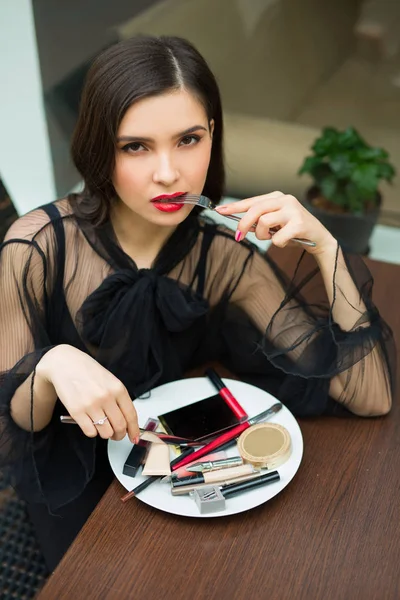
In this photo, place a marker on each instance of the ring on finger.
(100, 421)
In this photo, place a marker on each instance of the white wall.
(25, 159)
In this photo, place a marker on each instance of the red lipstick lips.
(161, 202)
(168, 196)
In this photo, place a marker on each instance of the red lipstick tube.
(226, 394)
(222, 439)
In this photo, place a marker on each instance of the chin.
(171, 219)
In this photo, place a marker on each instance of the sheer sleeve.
(280, 332)
(38, 464)
(22, 333)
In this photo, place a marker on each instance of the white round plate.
(186, 391)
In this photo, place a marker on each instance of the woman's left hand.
(286, 215)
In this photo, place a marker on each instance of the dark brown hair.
(137, 68)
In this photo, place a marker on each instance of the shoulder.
(30, 247)
(27, 227)
(32, 240)
(38, 223)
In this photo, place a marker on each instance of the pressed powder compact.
(265, 445)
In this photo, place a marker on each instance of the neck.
(140, 239)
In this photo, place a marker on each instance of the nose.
(165, 172)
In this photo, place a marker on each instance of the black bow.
(128, 319)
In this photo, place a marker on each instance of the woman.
(108, 293)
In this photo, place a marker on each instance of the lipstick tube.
(226, 394)
(219, 441)
(138, 453)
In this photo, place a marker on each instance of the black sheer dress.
(206, 298)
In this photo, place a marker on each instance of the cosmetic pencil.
(226, 394)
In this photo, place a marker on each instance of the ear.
(211, 128)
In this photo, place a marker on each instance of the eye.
(189, 140)
(133, 147)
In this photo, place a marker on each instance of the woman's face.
(163, 149)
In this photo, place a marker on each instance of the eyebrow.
(130, 138)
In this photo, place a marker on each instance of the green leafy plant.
(347, 170)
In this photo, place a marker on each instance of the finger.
(245, 205)
(258, 214)
(117, 420)
(128, 410)
(86, 424)
(105, 430)
(283, 237)
(267, 223)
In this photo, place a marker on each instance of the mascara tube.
(233, 489)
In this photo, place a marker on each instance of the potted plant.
(345, 197)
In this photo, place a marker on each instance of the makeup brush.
(172, 440)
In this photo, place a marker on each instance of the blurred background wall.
(286, 69)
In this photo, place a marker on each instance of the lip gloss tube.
(226, 394)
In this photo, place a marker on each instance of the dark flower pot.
(353, 232)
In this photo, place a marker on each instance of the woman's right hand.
(89, 392)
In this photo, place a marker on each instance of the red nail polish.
(238, 236)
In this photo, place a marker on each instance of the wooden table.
(332, 534)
